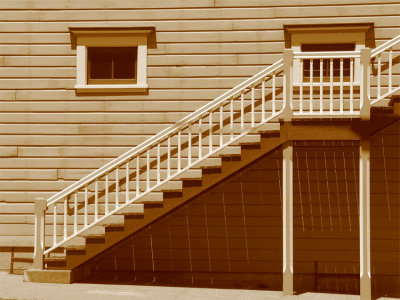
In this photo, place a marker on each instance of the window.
(326, 62)
(111, 59)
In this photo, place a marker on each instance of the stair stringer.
(151, 214)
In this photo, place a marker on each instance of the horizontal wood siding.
(51, 137)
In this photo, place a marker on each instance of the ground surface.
(13, 287)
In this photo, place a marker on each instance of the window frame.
(83, 38)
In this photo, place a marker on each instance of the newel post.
(287, 84)
(40, 207)
(365, 60)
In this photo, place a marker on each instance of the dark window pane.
(100, 60)
(327, 47)
(124, 63)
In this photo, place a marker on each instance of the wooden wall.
(50, 137)
(232, 235)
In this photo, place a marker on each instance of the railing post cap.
(40, 204)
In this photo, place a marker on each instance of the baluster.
(273, 93)
(231, 119)
(341, 86)
(221, 124)
(390, 70)
(138, 176)
(210, 130)
(321, 85)
(117, 187)
(158, 164)
(169, 157)
(179, 151)
(148, 169)
(200, 136)
(65, 217)
(127, 182)
(96, 200)
(252, 106)
(301, 86)
(379, 75)
(311, 84)
(242, 111)
(190, 144)
(54, 223)
(331, 85)
(263, 99)
(351, 85)
(85, 208)
(75, 212)
(106, 195)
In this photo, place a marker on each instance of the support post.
(287, 84)
(365, 251)
(287, 173)
(40, 207)
(365, 61)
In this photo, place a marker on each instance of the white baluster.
(390, 70)
(158, 164)
(54, 223)
(331, 85)
(321, 85)
(263, 99)
(96, 200)
(221, 125)
(242, 111)
(106, 195)
(169, 157)
(148, 169)
(379, 75)
(210, 130)
(311, 84)
(273, 93)
(341, 86)
(200, 137)
(75, 212)
(190, 144)
(351, 85)
(231, 119)
(85, 213)
(179, 151)
(252, 105)
(138, 176)
(65, 217)
(301, 85)
(127, 182)
(117, 187)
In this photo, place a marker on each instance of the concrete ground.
(13, 287)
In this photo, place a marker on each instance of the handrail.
(330, 54)
(385, 46)
(163, 135)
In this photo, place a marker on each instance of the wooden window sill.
(111, 88)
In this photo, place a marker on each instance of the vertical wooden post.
(40, 207)
(287, 173)
(365, 61)
(287, 84)
(365, 251)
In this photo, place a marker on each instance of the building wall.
(231, 236)
(50, 137)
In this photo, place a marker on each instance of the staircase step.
(76, 243)
(170, 186)
(113, 221)
(133, 209)
(230, 152)
(191, 174)
(95, 231)
(268, 128)
(249, 140)
(210, 163)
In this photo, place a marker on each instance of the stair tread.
(95, 231)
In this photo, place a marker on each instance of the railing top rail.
(163, 135)
(330, 54)
(385, 46)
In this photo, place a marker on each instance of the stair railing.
(381, 73)
(165, 156)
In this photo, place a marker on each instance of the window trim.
(82, 38)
